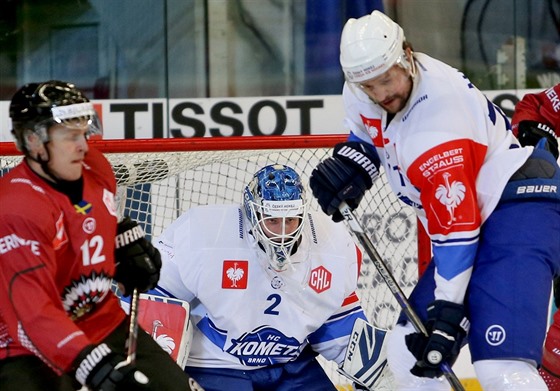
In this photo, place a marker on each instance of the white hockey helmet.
(276, 193)
(370, 46)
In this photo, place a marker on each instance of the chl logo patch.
(235, 274)
(320, 279)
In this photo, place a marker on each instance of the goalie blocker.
(167, 321)
(365, 362)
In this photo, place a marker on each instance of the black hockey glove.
(99, 368)
(447, 327)
(531, 132)
(344, 177)
(138, 262)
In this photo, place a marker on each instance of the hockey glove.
(344, 177)
(99, 368)
(531, 132)
(447, 327)
(138, 261)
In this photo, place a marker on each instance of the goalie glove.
(447, 327)
(168, 318)
(101, 369)
(344, 177)
(138, 261)
(365, 361)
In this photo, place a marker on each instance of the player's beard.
(393, 104)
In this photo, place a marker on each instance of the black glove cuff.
(447, 316)
(91, 361)
(362, 156)
(128, 232)
(531, 132)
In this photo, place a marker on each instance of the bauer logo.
(264, 346)
(320, 279)
(537, 189)
(235, 274)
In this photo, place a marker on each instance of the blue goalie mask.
(276, 206)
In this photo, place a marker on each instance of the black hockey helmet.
(36, 106)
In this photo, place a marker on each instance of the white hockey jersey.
(247, 316)
(449, 154)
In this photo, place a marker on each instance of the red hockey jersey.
(542, 107)
(56, 264)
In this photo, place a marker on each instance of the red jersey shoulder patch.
(61, 236)
(373, 126)
(235, 274)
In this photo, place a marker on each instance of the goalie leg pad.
(365, 361)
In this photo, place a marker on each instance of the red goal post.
(161, 178)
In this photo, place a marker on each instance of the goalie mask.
(276, 207)
(37, 106)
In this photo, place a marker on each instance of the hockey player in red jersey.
(490, 207)
(61, 327)
(537, 116)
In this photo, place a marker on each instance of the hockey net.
(160, 179)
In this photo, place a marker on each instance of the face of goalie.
(280, 229)
(275, 205)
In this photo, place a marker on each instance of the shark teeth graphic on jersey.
(81, 296)
(264, 346)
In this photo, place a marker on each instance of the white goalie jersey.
(246, 315)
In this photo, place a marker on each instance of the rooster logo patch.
(235, 274)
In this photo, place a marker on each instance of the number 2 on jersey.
(276, 299)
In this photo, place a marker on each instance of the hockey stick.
(133, 328)
(359, 232)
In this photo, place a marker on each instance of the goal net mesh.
(158, 182)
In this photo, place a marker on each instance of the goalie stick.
(359, 233)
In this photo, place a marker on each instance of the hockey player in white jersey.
(270, 284)
(490, 207)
